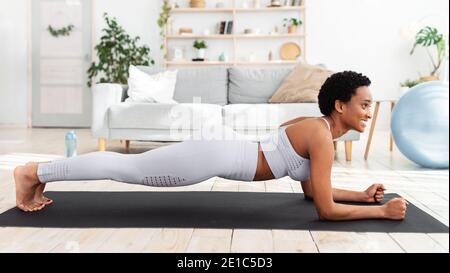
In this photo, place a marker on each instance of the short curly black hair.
(340, 86)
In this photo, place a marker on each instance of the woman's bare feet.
(27, 184)
(39, 196)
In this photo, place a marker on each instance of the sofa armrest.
(103, 97)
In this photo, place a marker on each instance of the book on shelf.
(225, 27)
(221, 27)
(292, 3)
(229, 28)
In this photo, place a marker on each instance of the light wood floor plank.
(417, 242)
(293, 241)
(249, 240)
(169, 240)
(210, 241)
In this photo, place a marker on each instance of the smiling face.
(356, 112)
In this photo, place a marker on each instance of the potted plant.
(200, 45)
(116, 52)
(163, 20)
(292, 24)
(427, 37)
(408, 84)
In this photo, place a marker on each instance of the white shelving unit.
(237, 38)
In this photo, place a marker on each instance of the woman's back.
(286, 151)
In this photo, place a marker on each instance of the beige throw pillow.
(302, 85)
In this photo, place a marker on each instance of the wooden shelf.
(238, 36)
(205, 10)
(237, 15)
(280, 9)
(280, 62)
(267, 62)
(217, 36)
(268, 36)
(198, 63)
(216, 10)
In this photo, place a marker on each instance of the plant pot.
(429, 78)
(201, 53)
(292, 29)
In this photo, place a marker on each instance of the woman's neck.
(338, 128)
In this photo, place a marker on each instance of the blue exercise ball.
(419, 124)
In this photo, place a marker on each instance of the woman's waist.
(274, 158)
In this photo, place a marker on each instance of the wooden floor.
(427, 189)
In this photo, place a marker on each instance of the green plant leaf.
(116, 51)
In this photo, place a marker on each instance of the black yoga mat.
(243, 210)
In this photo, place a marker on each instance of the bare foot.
(26, 186)
(39, 196)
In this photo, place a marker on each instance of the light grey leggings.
(179, 164)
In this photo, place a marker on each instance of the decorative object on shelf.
(290, 51)
(116, 52)
(198, 60)
(201, 46)
(270, 56)
(163, 19)
(274, 31)
(177, 53)
(223, 57)
(426, 37)
(274, 4)
(65, 31)
(184, 31)
(197, 3)
(220, 5)
(292, 24)
(254, 31)
(256, 4)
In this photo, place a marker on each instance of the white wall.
(13, 62)
(360, 35)
(364, 35)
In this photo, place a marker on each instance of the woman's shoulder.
(310, 127)
(307, 133)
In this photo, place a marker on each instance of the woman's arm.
(338, 194)
(322, 155)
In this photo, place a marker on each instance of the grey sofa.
(234, 97)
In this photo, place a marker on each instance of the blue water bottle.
(71, 144)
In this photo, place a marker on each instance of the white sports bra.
(283, 159)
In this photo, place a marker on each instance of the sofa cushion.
(163, 116)
(302, 85)
(266, 116)
(252, 85)
(208, 84)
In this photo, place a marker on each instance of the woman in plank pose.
(302, 148)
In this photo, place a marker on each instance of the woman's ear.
(339, 106)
